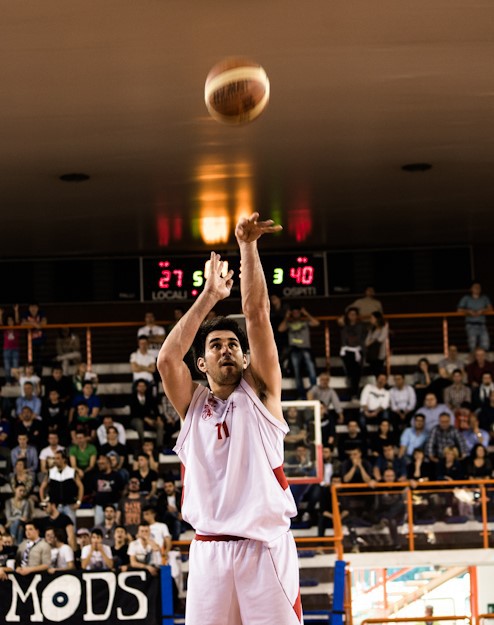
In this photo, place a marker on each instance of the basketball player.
(243, 561)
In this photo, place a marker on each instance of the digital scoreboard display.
(182, 278)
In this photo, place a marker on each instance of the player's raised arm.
(176, 377)
(264, 369)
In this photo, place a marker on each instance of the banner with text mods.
(79, 597)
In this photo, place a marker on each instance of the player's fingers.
(254, 217)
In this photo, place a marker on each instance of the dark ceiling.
(359, 88)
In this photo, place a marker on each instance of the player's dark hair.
(213, 325)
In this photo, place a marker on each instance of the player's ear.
(246, 363)
(201, 364)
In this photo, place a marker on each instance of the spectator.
(390, 507)
(83, 538)
(89, 398)
(144, 412)
(155, 334)
(47, 454)
(475, 435)
(277, 313)
(299, 463)
(356, 470)
(114, 449)
(109, 524)
(143, 552)
(62, 556)
(22, 475)
(178, 313)
(11, 342)
(402, 400)
(35, 319)
(298, 429)
(19, 510)
(452, 361)
(479, 465)
(420, 469)
(59, 521)
(374, 402)
(297, 323)
(83, 374)
(353, 335)
(413, 437)
(59, 382)
(449, 467)
(375, 343)
(83, 456)
(458, 393)
(486, 415)
(5, 432)
(26, 452)
(439, 385)
(6, 555)
(171, 423)
(148, 479)
(442, 436)
(63, 487)
(366, 305)
(101, 432)
(28, 399)
(148, 448)
(432, 411)
(83, 422)
(474, 307)
(130, 507)
(34, 553)
(142, 363)
(353, 439)
(383, 437)
(169, 506)
(331, 409)
(422, 379)
(68, 348)
(54, 416)
(27, 374)
(159, 531)
(120, 548)
(106, 488)
(478, 367)
(481, 394)
(389, 460)
(96, 556)
(27, 423)
(326, 507)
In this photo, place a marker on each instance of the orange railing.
(338, 490)
(438, 335)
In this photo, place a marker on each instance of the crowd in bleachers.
(62, 452)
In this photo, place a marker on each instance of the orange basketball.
(236, 91)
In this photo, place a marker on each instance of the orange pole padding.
(337, 525)
(445, 337)
(327, 345)
(347, 606)
(485, 528)
(385, 593)
(411, 535)
(89, 351)
(474, 593)
(30, 345)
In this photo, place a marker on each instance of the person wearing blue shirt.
(474, 307)
(413, 437)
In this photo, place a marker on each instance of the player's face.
(223, 359)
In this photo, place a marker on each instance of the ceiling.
(114, 89)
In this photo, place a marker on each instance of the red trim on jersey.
(216, 537)
(297, 606)
(280, 476)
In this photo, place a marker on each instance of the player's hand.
(217, 284)
(249, 229)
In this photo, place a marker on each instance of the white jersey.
(234, 482)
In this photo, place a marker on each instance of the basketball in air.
(236, 91)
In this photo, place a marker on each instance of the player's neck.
(222, 391)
